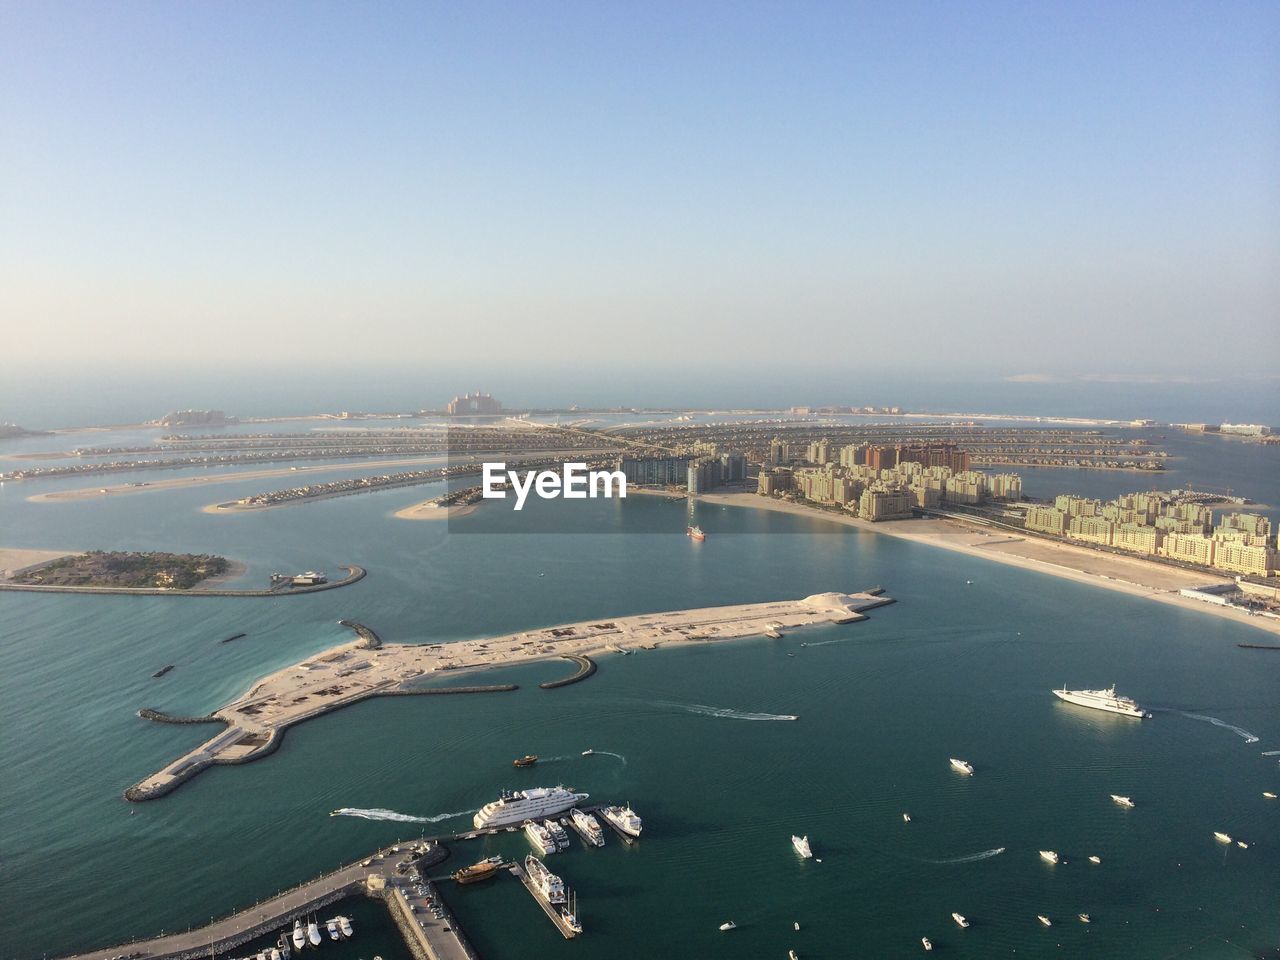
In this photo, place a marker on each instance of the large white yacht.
(540, 837)
(624, 818)
(589, 827)
(535, 803)
(1107, 700)
(548, 885)
(802, 846)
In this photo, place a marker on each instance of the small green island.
(101, 568)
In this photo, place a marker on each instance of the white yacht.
(540, 837)
(728, 925)
(588, 752)
(534, 803)
(344, 923)
(548, 886)
(313, 933)
(299, 937)
(1048, 856)
(926, 943)
(1043, 919)
(1107, 700)
(1221, 837)
(332, 927)
(558, 834)
(962, 766)
(589, 827)
(1123, 801)
(624, 818)
(802, 846)
(1084, 917)
(275, 953)
(1268, 794)
(1242, 845)
(906, 818)
(960, 920)
(1095, 859)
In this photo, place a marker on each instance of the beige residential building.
(1191, 547)
(1259, 560)
(1091, 530)
(1047, 520)
(884, 503)
(1140, 538)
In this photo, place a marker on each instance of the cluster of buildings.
(195, 418)
(473, 403)
(698, 472)
(1157, 524)
(1234, 429)
(881, 482)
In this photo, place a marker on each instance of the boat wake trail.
(610, 753)
(973, 857)
(377, 813)
(1271, 753)
(1248, 737)
(724, 713)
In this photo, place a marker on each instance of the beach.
(1131, 575)
(14, 560)
(431, 510)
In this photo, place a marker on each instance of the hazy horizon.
(999, 190)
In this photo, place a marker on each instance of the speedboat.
(1084, 917)
(1043, 919)
(1242, 845)
(332, 927)
(792, 955)
(1049, 856)
(728, 925)
(1268, 794)
(802, 846)
(1221, 837)
(962, 766)
(797, 926)
(906, 818)
(588, 752)
(299, 938)
(926, 943)
(344, 924)
(1123, 801)
(959, 919)
(313, 933)
(1095, 859)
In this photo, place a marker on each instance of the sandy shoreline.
(429, 510)
(13, 560)
(1131, 575)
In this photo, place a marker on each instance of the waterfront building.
(880, 502)
(1005, 486)
(1254, 526)
(1190, 547)
(702, 475)
(965, 488)
(655, 471)
(1077, 506)
(1047, 520)
(1091, 530)
(1245, 429)
(733, 467)
(935, 455)
(1140, 538)
(775, 481)
(473, 403)
(1259, 560)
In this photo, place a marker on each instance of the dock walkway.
(567, 931)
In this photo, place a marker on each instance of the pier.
(567, 931)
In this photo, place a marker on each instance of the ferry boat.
(926, 943)
(299, 937)
(728, 925)
(1107, 700)
(558, 834)
(1123, 801)
(802, 846)
(1048, 856)
(1043, 919)
(540, 837)
(960, 920)
(962, 766)
(484, 870)
(624, 818)
(695, 534)
(589, 826)
(515, 807)
(528, 760)
(547, 885)
(1221, 837)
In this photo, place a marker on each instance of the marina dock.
(564, 928)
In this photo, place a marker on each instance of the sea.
(697, 739)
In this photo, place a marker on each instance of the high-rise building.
(656, 471)
(880, 502)
(775, 481)
(1047, 519)
(473, 403)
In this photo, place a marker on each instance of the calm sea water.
(955, 668)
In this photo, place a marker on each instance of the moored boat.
(540, 837)
(547, 885)
(533, 803)
(344, 924)
(299, 937)
(313, 933)
(484, 870)
(624, 818)
(589, 827)
(558, 834)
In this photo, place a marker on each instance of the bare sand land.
(14, 561)
(430, 510)
(353, 671)
(175, 483)
(1131, 575)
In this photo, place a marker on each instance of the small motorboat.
(1268, 794)
(1049, 856)
(1095, 859)
(802, 846)
(1242, 845)
(1122, 801)
(792, 955)
(588, 752)
(275, 953)
(962, 766)
(528, 760)
(332, 927)
(344, 924)
(926, 943)
(313, 933)
(1084, 917)
(1222, 837)
(960, 920)
(728, 925)
(797, 926)
(1043, 919)
(299, 938)
(906, 818)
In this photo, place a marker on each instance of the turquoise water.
(953, 669)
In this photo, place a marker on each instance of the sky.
(1054, 192)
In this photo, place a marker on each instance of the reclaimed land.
(1132, 575)
(354, 574)
(368, 667)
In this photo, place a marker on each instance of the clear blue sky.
(1022, 188)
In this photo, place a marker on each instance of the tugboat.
(528, 760)
(695, 534)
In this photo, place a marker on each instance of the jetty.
(370, 667)
(566, 931)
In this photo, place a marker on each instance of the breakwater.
(159, 716)
(586, 667)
